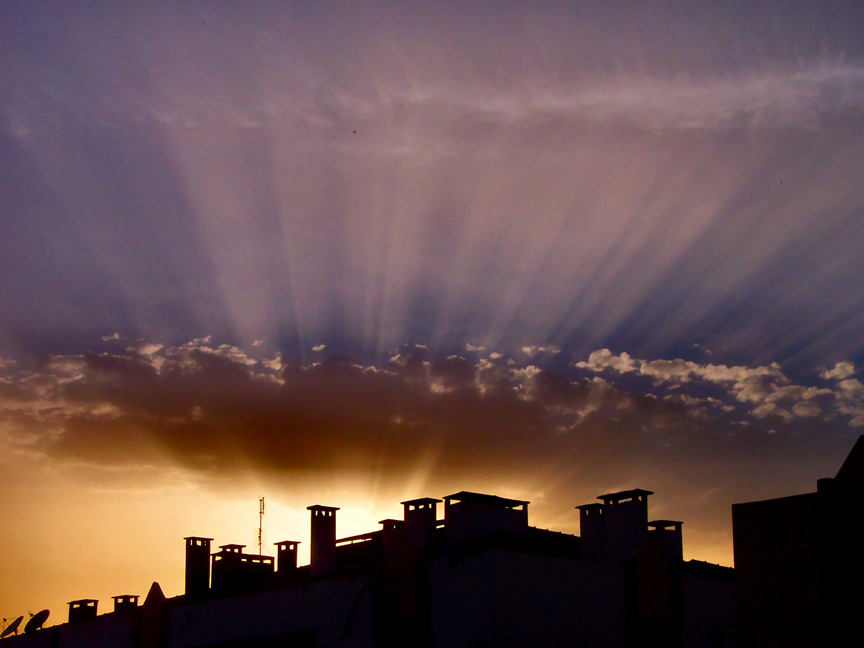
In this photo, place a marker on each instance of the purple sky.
(552, 251)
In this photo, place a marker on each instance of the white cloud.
(806, 409)
(274, 363)
(605, 359)
(851, 388)
(765, 389)
(534, 350)
(145, 348)
(840, 371)
(783, 96)
(771, 409)
(669, 369)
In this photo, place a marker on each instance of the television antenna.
(260, 523)
(12, 627)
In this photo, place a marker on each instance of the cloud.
(771, 409)
(807, 409)
(840, 371)
(791, 96)
(766, 390)
(211, 408)
(603, 359)
(664, 370)
(532, 351)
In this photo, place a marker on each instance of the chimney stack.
(82, 610)
(421, 519)
(668, 536)
(323, 549)
(626, 522)
(592, 529)
(197, 566)
(125, 603)
(286, 556)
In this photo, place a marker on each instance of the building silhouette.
(480, 576)
(799, 563)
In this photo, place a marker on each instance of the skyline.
(356, 257)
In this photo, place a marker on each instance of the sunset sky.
(355, 253)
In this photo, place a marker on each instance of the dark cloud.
(223, 414)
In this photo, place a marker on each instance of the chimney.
(626, 522)
(197, 566)
(323, 550)
(125, 603)
(392, 534)
(668, 536)
(82, 610)
(473, 515)
(421, 519)
(286, 556)
(592, 528)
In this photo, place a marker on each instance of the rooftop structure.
(480, 576)
(799, 563)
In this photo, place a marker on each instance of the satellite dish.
(12, 627)
(36, 622)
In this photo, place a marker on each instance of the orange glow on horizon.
(75, 540)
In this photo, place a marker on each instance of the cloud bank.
(222, 412)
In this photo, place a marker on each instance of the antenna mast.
(260, 522)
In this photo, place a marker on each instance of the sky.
(356, 253)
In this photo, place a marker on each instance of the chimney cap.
(84, 602)
(421, 500)
(125, 596)
(232, 546)
(319, 507)
(197, 538)
(286, 542)
(623, 495)
(487, 500)
(664, 524)
(590, 507)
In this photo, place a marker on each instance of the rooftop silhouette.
(480, 575)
